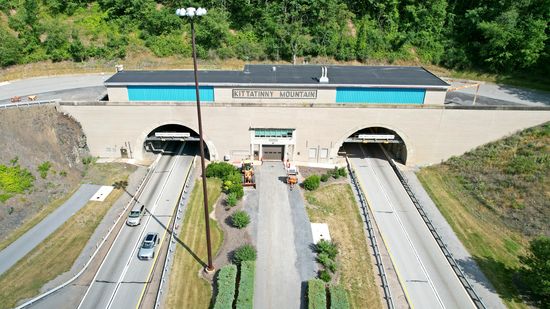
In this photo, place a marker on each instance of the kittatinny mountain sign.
(247, 93)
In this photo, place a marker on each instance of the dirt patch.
(32, 136)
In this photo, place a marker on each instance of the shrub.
(13, 180)
(220, 170)
(44, 168)
(226, 287)
(236, 188)
(244, 253)
(338, 297)
(240, 219)
(325, 177)
(327, 247)
(245, 298)
(536, 269)
(316, 294)
(335, 173)
(312, 182)
(342, 172)
(231, 199)
(89, 160)
(326, 261)
(324, 275)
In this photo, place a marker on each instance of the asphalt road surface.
(424, 273)
(24, 244)
(122, 278)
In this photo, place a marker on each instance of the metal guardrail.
(371, 235)
(450, 259)
(98, 246)
(178, 213)
(29, 103)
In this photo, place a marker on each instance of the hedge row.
(245, 298)
(227, 278)
(338, 297)
(316, 294)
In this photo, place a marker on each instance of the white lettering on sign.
(274, 94)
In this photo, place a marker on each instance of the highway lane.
(428, 280)
(122, 277)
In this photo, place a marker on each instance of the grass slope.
(496, 198)
(55, 255)
(187, 289)
(334, 204)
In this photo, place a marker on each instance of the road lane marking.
(126, 267)
(109, 252)
(402, 227)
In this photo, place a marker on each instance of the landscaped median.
(187, 288)
(56, 254)
(335, 205)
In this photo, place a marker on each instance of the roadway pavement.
(122, 278)
(424, 273)
(497, 94)
(33, 237)
(285, 260)
(50, 84)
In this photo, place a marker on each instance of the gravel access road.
(33, 237)
(284, 260)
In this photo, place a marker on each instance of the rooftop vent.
(274, 69)
(119, 67)
(324, 75)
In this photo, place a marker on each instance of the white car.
(147, 249)
(134, 218)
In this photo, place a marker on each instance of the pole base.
(209, 270)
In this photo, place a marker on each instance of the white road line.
(144, 228)
(402, 228)
(4, 83)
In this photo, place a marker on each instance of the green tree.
(536, 271)
(10, 48)
(212, 31)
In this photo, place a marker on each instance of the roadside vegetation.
(187, 288)
(349, 260)
(14, 180)
(495, 198)
(57, 253)
(495, 37)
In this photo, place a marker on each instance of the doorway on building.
(273, 152)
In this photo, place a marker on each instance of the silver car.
(147, 249)
(134, 218)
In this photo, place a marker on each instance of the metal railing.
(371, 235)
(28, 103)
(178, 216)
(99, 245)
(450, 259)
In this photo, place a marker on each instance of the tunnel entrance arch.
(376, 136)
(163, 138)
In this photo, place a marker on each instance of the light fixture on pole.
(191, 13)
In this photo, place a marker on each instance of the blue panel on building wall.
(169, 93)
(380, 95)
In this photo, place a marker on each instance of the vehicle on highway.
(147, 249)
(134, 217)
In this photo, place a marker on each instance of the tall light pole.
(191, 12)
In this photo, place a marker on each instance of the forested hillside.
(492, 35)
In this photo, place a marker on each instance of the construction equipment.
(247, 171)
(291, 176)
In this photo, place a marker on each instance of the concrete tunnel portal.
(369, 137)
(164, 138)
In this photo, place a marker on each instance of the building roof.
(288, 75)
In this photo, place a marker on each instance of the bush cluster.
(312, 182)
(326, 255)
(338, 297)
(316, 294)
(231, 180)
(245, 297)
(44, 168)
(244, 253)
(227, 277)
(240, 219)
(220, 170)
(14, 180)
